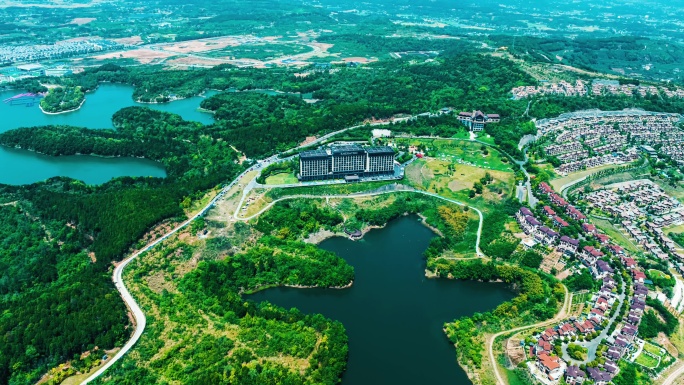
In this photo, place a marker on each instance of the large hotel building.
(349, 161)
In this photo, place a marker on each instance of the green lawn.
(513, 378)
(557, 184)
(470, 152)
(652, 349)
(453, 150)
(482, 137)
(646, 361)
(282, 178)
(434, 175)
(674, 229)
(658, 273)
(615, 234)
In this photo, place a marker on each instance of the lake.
(23, 167)
(393, 314)
(97, 110)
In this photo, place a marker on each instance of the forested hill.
(91, 226)
(55, 262)
(258, 125)
(96, 225)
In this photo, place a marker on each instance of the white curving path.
(140, 320)
(139, 316)
(358, 195)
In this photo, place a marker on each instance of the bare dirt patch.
(550, 261)
(82, 20)
(143, 56)
(133, 40)
(157, 282)
(457, 185)
(663, 341)
(211, 44)
(195, 61)
(358, 59)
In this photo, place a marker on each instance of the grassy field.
(282, 178)
(674, 229)
(463, 151)
(436, 176)
(652, 349)
(616, 235)
(646, 360)
(513, 378)
(658, 273)
(675, 192)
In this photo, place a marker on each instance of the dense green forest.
(104, 220)
(61, 99)
(107, 220)
(55, 302)
(234, 340)
(259, 124)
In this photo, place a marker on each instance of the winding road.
(136, 311)
(138, 315)
(393, 190)
(562, 314)
(670, 380)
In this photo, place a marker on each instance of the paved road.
(593, 345)
(670, 380)
(140, 320)
(396, 189)
(490, 341)
(138, 314)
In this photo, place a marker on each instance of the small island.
(62, 99)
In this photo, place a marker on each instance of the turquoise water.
(23, 167)
(394, 315)
(97, 110)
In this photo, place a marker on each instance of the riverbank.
(62, 112)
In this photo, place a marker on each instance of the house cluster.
(10, 54)
(586, 141)
(628, 156)
(644, 209)
(534, 228)
(676, 152)
(636, 199)
(596, 317)
(631, 121)
(598, 87)
(562, 88)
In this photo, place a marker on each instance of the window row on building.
(345, 161)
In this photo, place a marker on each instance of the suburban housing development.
(586, 140)
(608, 327)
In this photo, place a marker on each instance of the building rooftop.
(319, 153)
(346, 148)
(380, 150)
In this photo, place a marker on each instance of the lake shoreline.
(17, 147)
(62, 112)
(266, 287)
(323, 234)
